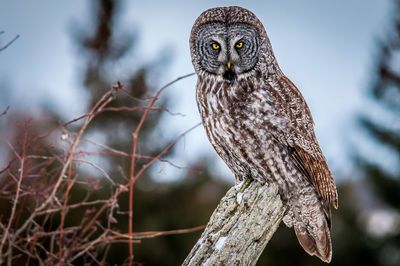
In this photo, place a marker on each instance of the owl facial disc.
(226, 50)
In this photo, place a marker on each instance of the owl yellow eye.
(215, 46)
(239, 45)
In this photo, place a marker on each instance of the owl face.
(227, 50)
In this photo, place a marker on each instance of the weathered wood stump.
(240, 227)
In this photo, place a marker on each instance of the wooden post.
(240, 227)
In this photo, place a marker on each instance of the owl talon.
(246, 183)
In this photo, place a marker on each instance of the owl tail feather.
(320, 246)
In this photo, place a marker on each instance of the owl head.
(229, 43)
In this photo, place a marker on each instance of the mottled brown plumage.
(259, 123)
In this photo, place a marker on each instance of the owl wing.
(305, 152)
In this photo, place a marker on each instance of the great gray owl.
(259, 123)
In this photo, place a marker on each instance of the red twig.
(150, 234)
(132, 172)
(14, 207)
(107, 98)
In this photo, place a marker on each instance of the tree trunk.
(240, 227)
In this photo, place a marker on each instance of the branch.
(132, 171)
(14, 208)
(9, 43)
(240, 227)
(5, 111)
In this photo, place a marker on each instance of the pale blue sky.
(326, 48)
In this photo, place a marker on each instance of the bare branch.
(38, 183)
(143, 235)
(14, 207)
(5, 111)
(132, 177)
(9, 43)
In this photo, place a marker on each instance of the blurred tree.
(385, 182)
(386, 131)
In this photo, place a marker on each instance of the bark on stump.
(240, 227)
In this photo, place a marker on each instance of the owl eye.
(215, 46)
(239, 44)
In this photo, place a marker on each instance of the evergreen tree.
(385, 130)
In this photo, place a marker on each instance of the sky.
(327, 48)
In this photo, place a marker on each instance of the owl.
(259, 123)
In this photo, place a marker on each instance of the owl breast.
(238, 118)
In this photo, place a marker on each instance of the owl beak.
(228, 65)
